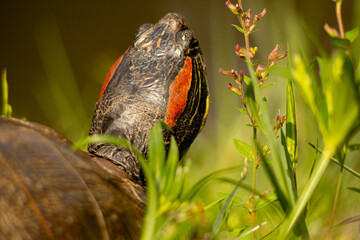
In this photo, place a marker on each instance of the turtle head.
(160, 78)
(170, 36)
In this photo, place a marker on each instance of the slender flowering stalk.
(247, 25)
(339, 18)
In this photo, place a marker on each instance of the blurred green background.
(57, 54)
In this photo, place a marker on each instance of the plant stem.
(240, 4)
(297, 210)
(336, 199)
(247, 42)
(252, 209)
(294, 173)
(337, 193)
(340, 23)
(255, 161)
(252, 206)
(339, 19)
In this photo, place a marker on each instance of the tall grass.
(336, 110)
(330, 87)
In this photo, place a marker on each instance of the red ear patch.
(110, 74)
(178, 92)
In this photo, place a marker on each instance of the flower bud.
(241, 77)
(232, 73)
(252, 52)
(277, 58)
(331, 31)
(241, 74)
(274, 52)
(261, 73)
(234, 89)
(248, 18)
(260, 68)
(266, 149)
(240, 51)
(279, 122)
(260, 15)
(233, 8)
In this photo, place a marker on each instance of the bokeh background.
(57, 54)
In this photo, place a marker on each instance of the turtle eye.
(183, 37)
(188, 42)
(186, 36)
(142, 29)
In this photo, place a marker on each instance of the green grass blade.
(291, 131)
(309, 188)
(6, 108)
(355, 189)
(207, 207)
(181, 173)
(156, 153)
(240, 184)
(204, 180)
(171, 164)
(148, 230)
(251, 103)
(97, 138)
(337, 162)
(251, 230)
(267, 85)
(354, 147)
(348, 221)
(284, 202)
(289, 166)
(149, 168)
(221, 216)
(310, 92)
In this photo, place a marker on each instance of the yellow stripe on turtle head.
(206, 112)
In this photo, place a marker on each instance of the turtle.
(48, 191)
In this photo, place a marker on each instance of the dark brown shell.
(49, 192)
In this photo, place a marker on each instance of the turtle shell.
(161, 77)
(47, 191)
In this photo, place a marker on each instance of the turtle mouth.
(194, 48)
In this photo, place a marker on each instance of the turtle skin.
(48, 191)
(161, 77)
